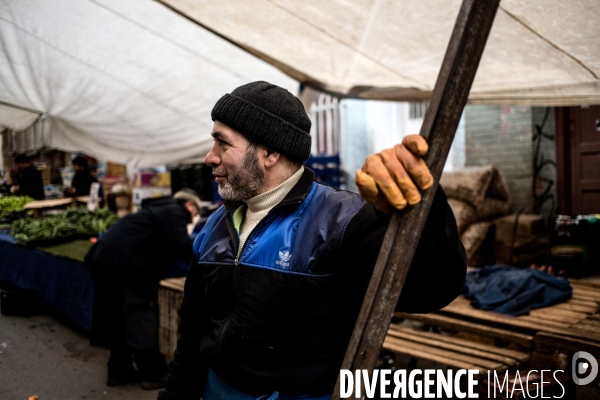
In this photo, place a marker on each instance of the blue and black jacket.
(279, 318)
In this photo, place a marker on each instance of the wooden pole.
(449, 97)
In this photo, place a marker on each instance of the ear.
(270, 157)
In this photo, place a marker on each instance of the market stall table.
(39, 206)
(57, 274)
(66, 284)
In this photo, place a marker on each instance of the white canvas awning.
(134, 81)
(16, 119)
(126, 81)
(540, 52)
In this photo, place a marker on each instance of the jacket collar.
(295, 196)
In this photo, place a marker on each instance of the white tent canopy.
(544, 52)
(134, 82)
(15, 118)
(126, 81)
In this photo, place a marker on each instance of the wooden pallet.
(478, 328)
(452, 351)
(567, 327)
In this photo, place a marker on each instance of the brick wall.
(498, 135)
(501, 136)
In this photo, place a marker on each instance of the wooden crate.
(170, 297)
(528, 227)
(113, 169)
(523, 252)
(45, 171)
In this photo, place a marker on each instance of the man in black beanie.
(283, 266)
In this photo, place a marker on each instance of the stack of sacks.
(477, 195)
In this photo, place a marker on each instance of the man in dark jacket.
(29, 180)
(127, 263)
(284, 265)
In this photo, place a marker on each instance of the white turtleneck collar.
(259, 206)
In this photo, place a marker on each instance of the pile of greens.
(74, 221)
(12, 203)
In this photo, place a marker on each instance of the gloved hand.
(389, 179)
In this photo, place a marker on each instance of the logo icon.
(284, 259)
(580, 367)
(285, 256)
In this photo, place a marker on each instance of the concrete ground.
(45, 355)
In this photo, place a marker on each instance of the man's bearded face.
(243, 179)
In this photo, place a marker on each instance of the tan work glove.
(389, 179)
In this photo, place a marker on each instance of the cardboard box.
(153, 179)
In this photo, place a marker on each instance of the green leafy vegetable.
(13, 203)
(73, 221)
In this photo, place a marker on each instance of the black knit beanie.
(268, 115)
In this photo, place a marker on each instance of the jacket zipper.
(236, 241)
(235, 238)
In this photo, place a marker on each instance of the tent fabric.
(540, 52)
(16, 119)
(125, 81)
(35, 137)
(134, 81)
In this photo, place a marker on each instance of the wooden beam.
(449, 97)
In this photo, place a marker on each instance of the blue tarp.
(65, 284)
(514, 291)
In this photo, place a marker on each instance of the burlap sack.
(463, 212)
(476, 195)
(473, 237)
(492, 208)
(475, 185)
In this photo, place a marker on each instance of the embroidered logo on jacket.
(284, 259)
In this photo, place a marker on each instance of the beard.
(245, 181)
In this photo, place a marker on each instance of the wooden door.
(586, 160)
(578, 160)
